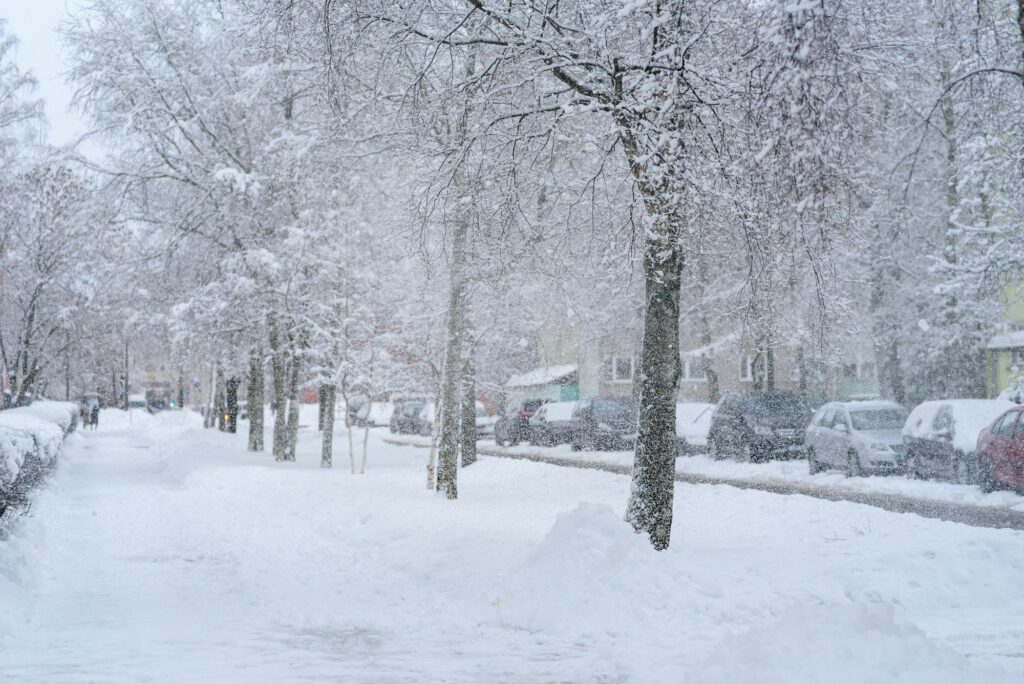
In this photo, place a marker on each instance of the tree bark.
(651, 497)
(448, 450)
(327, 395)
(218, 401)
(348, 425)
(255, 399)
(467, 433)
(292, 431)
(277, 369)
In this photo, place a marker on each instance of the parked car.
(864, 437)
(604, 423)
(553, 424)
(405, 418)
(940, 437)
(375, 414)
(1000, 453)
(514, 426)
(759, 425)
(484, 422)
(693, 420)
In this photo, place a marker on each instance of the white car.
(863, 437)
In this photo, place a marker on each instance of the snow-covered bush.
(30, 441)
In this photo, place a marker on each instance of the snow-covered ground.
(162, 552)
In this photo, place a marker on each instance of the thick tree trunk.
(231, 404)
(292, 432)
(448, 450)
(218, 401)
(255, 399)
(651, 497)
(467, 433)
(327, 396)
(279, 379)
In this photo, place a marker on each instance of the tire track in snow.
(967, 514)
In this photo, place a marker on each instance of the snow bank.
(853, 644)
(35, 431)
(590, 574)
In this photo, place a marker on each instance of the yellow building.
(1005, 353)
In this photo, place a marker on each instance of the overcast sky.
(35, 23)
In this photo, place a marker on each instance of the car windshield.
(878, 419)
(614, 410)
(776, 404)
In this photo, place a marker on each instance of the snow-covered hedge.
(30, 441)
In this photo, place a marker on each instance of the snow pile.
(841, 644)
(35, 431)
(591, 574)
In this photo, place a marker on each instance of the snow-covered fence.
(31, 438)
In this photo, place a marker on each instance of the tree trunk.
(652, 491)
(277, 369)
(255, 399)
(448, 451)
(348, 425)
(366, 433)
(434, 435)
(467, 433)
(321, 403)
(211, 401)
(292, 431)
(327, 395)
(218, 401)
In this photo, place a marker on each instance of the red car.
(1001, 452)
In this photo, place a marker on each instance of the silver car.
(862, 437)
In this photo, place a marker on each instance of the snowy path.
(161, 552)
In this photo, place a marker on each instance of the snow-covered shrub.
(30, 442)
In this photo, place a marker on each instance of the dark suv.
(514, 427)
(759, 425)
(604, 423)
(405, 420)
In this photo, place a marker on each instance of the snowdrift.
(30, 441)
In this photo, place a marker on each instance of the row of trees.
(382, 197)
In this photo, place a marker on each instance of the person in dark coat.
(94, 415)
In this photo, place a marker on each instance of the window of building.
(695, 369)
(1017, 357)
(622, 369)
(747, 368)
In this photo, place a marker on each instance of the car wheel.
(986, 481)
(813, 466)
(747, 452)
(716, 451)
(962, 471)
(853, 468)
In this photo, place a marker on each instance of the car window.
(840, 419)
(1004, 428)
(878, 419)
(828, 417)
(943, 421)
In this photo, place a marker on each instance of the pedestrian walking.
(94, 415)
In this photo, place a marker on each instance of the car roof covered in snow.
(869, 405)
